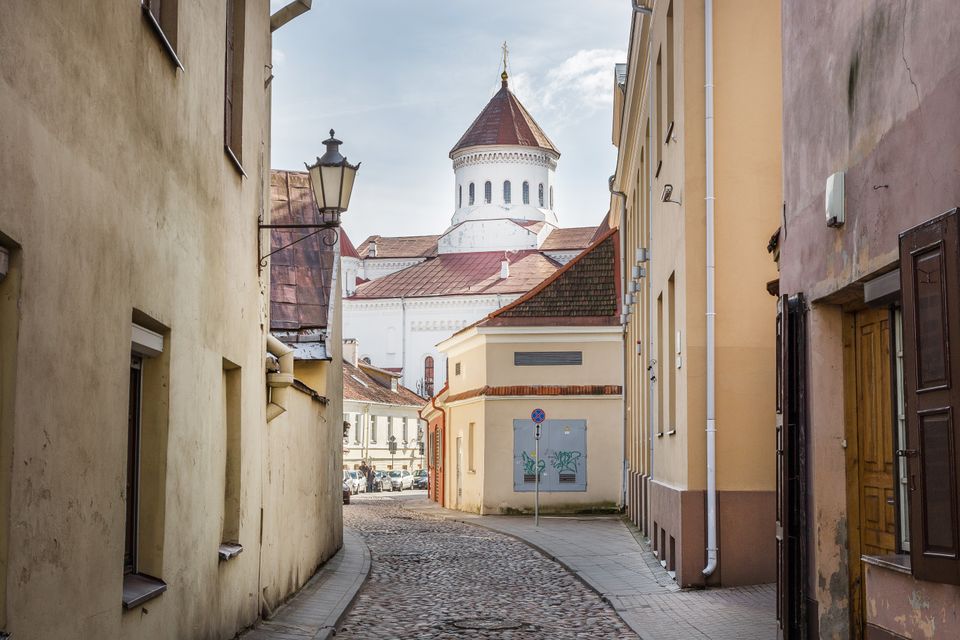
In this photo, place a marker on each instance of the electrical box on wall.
(835, 200)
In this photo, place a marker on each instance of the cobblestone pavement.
(433, 578)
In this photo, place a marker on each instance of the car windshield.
(394, 474)
(420, 472)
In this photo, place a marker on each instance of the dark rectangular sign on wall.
(563, 455)
(546, 358)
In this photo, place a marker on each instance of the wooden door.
(874, 416)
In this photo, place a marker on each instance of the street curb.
(576, 574)
(327, 632)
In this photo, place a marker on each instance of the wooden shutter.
(930, 285)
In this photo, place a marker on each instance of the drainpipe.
(280, 381)
(623, 361)
(711, 312)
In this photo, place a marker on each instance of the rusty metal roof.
(504, 121)
(400, 247)
(572, 238)
(451, 274)
(300, 276)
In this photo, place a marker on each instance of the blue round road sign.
(538, 416)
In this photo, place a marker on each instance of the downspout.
(280, 381)
(623, 361)
(711, 312)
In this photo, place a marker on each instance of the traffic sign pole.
(536, 470)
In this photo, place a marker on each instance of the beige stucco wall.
(123, 203)
(460, 415)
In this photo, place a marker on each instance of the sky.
(401, 80)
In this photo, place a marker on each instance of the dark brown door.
(791, 469)
(930, 285)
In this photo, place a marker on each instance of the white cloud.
(572, 90)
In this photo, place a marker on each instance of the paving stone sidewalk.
(314, 612)
(611, 558)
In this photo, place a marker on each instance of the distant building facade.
(377, 409)
(403, 295)
(711, 522)
(549, 350)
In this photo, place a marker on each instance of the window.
(551, 197)
(357, 428)
(390, 435)
(671, 54)
(526, 192)
(672, 360)
(471, 195)
(232, 434)
(373, 429)
(233, 83)
(540, 195)
(659, 377)
(406, 437)
(456, 369)
(471, 464)
(145, 475)
(658, 98)
(459, 196)
(428, 374)
(506, 192)
(487, 192)
(162, 16)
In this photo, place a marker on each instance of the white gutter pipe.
(280, 381)
(624, 467)
(711, 312)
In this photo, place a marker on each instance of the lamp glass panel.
(331, 186)
(349, 175)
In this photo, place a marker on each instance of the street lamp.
(331, 179)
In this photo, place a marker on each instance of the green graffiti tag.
(529, 464)
(565, 461)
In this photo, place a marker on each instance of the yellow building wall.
(601, 361)
(460, 415)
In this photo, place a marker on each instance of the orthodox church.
(404, 295)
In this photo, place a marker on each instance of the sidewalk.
(604, 553)
(313, 613)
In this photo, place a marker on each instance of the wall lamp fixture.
(667, 193)
(639, 8)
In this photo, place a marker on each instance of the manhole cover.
(487, 624)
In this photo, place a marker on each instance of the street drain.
(491, 624)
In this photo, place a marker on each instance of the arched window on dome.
(471, 195)
(459, 196)
(428, 376)
(487, 192)
(526, 192)
(551, 198)
(541, 194)
(506, 192)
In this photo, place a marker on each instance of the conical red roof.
(504, 121)
(347, 250)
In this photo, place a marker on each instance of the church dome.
(504, 121)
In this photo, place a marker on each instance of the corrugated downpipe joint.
(279, 382)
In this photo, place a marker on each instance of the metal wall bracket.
(329, 240)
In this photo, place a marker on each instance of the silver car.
(400, 480)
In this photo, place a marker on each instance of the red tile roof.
(584, 288)
(401, 247)
(301, 275)
(504, 121)
(572, 238)
(451, 274)
(359, 386)
(347, 250)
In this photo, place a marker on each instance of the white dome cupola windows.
(526, 192)
(459, 196)
(506, 192)
(472, 195)
(541, 194)
(551, 197)
(487, 192)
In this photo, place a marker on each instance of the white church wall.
(487, 235)
(374, 268)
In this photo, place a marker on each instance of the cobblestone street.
(431, 578)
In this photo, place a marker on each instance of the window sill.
(138, 588)
(157, 29)
(234, 160)
(229, 551)
(899, 562)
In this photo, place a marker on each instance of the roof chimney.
(504, 269)
(350, 349)
(372, 249)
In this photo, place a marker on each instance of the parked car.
(421, 479)
(353, 479)
(347, 490)
(400, 480)
(381, 481)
